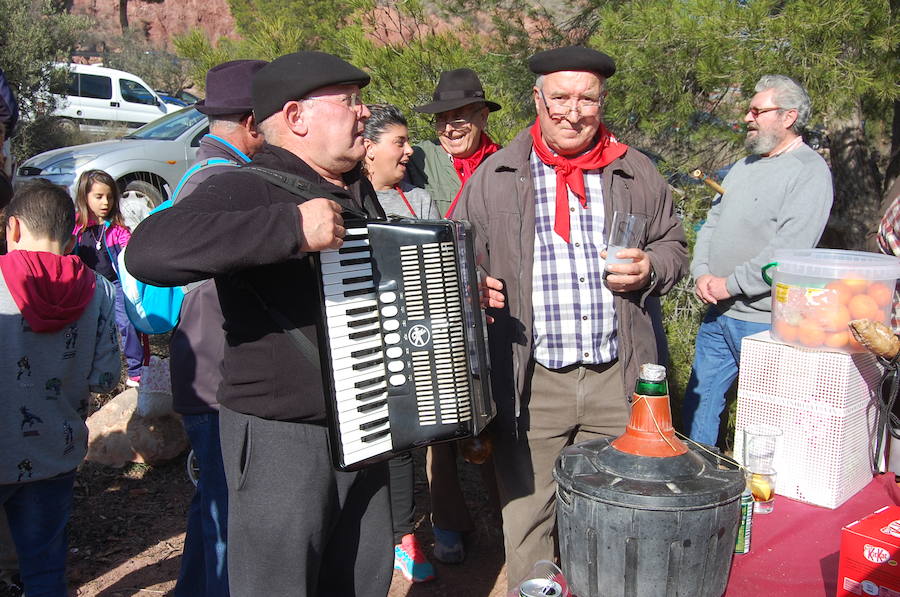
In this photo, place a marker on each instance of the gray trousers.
(560, 408)
(296, 526)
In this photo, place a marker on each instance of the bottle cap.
(652, 372)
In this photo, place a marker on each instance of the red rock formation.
(161, 20)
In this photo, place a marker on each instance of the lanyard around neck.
(406, 201)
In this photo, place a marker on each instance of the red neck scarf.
(465, 167)
(569, 171)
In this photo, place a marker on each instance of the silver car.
(147, 164)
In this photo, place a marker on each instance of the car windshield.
(169, 127)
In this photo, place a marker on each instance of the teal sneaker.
(448, 546)
(411, 562)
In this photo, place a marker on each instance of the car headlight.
(67, 165)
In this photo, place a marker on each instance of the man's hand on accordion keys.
(321, 225)
(492, 295)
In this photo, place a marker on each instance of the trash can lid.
(690, 481)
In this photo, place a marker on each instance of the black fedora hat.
(228, 88)
(455, 89)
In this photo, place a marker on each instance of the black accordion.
(403, 339)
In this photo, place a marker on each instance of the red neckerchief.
(569, 171)
(465, 167)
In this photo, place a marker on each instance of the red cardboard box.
(870, 555)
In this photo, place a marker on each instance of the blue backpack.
(156, 309)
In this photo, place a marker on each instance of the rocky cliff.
(161, 20)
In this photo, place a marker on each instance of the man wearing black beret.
(565, 352)
(296, 526)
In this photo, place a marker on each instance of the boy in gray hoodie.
(58, 343)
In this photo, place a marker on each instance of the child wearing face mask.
(101, 234)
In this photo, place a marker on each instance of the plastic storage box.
(815, 292)
(825, 405)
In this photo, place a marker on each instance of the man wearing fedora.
(198, 342)
(296, 526)
(565, 352)
(460, 112)
(442, 167)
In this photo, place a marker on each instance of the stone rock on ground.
(117, 434)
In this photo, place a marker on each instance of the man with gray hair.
(779, 197)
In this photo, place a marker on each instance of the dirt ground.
(127, 532)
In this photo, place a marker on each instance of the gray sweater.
(773, 203)
(419, 199)
(46, 380)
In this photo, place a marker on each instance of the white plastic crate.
(825, 405)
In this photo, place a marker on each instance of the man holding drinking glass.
(566, 351)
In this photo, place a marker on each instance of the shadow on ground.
(119, 514)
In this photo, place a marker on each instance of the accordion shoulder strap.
(306, 190)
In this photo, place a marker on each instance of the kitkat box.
(870, 555)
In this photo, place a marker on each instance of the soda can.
(742, 543)
(540, 587)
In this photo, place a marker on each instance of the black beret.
(294, 76)
(572, 58)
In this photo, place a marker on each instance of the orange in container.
(863, 306)
(785, 331)
(816, 292)
(810, 333)
(882, 294)
(837, 340)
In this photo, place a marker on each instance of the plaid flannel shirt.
(574, 315)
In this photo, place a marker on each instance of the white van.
(95, 96)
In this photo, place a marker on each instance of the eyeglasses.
(557, 106)
(440, 120)
(353, 101)
(755, 112)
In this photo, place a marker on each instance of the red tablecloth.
(795, 550)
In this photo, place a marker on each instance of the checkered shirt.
(574, 316)
(889, 242)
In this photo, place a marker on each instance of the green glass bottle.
(651, 381)
(649, 431)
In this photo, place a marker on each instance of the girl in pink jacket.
(101, 234)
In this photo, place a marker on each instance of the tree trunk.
(123, 15)
(893, 168)
(857, 185)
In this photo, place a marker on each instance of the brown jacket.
(499, 202)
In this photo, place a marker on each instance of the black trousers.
(403, 504)
(296, 526)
